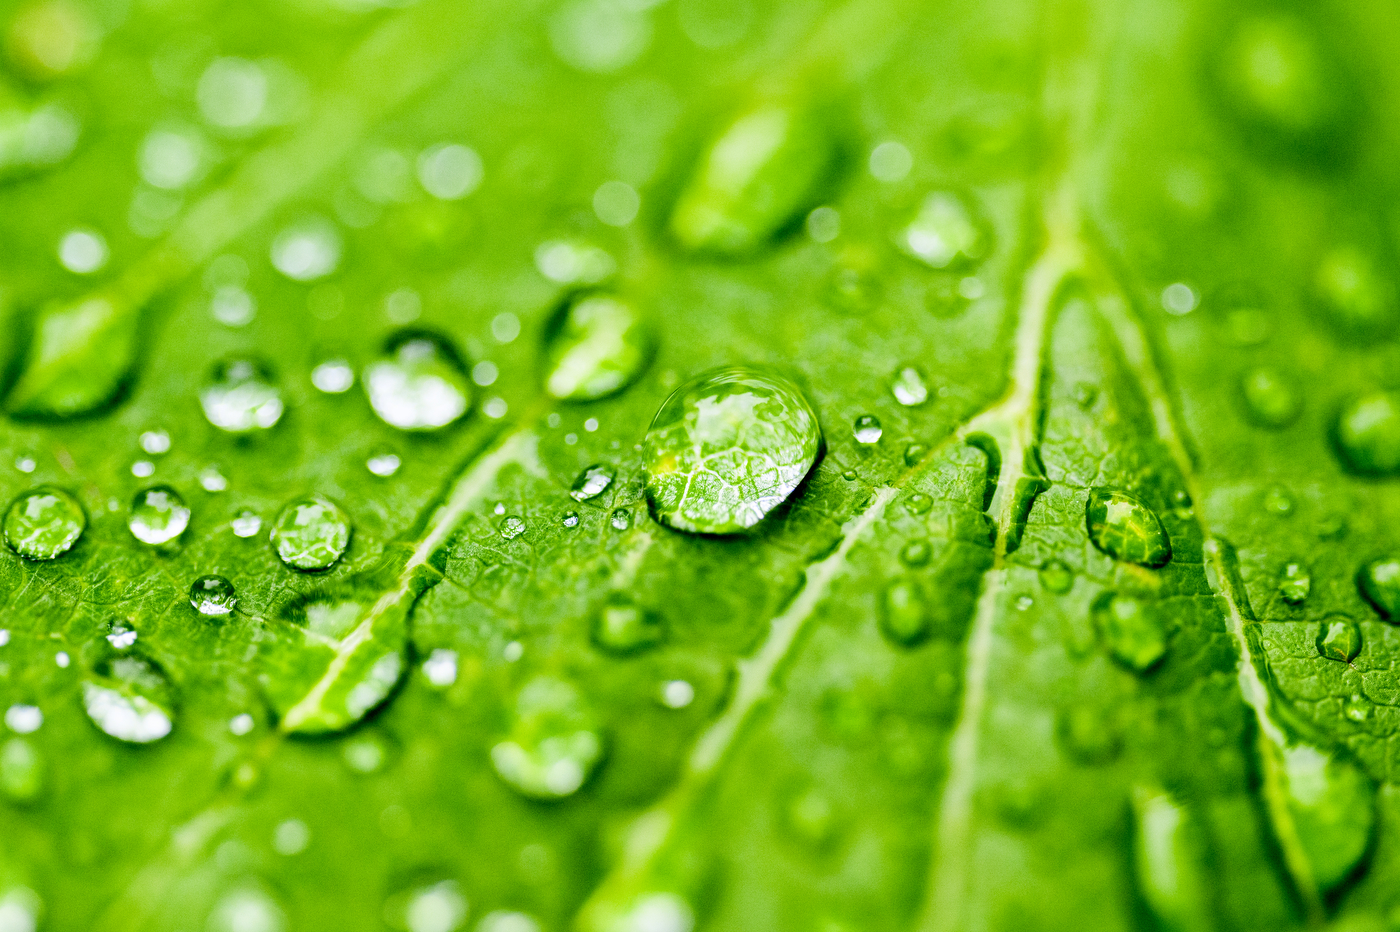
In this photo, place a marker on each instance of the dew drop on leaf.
(1056, 577)
(1126, 529)
(598, 346)
(421, 384)
(1167, 861)
(433, 906)
(129, 697)
(1339, 638)
(727, 448)
(948, 232)
(1278, 501)
(308, 250)
(621, 519)
(592, 482)
(909, 387)
(44, 523)
(570, 519)
(158, 515)
(1357, 708)
(440, 668)
(904, 618)
(383, 465)
(1332, 803)
(512, 526)
(246, 524)
(1357, 292)
(1295, 583)
(333, 376)
(311, 534)
(916, 553)
(624, 627)
(1367, 434)
(241, 398)
(914, 454)
(808, 817)
(213, 596)
(1379, 582)
(918, 503)
(1131, 631)
(553, 744)
(22, 774)
(1271, 399)
(867, 429)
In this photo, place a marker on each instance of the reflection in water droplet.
(290, 837)
(129, 698)
(246, 524)
(26, 463)
(1367, 434)
(158, 515)
(553, 744)
(1339, 638)
(592, 482)
(1357, 708)
(727, 448)
(420, 385)
(44, 523)
(384, 465)
(621, 519)
(909, 387)
(512, 527)
(1271, 398)
(24, 719)
(623, 627)
(213, 596)
(241, 398)
(333, 376)
(867, 429)
(1056, 577)
(573, 263)
(1295, 583)
(570, 519)
(1379, 582)
(947, 233)
(1126, 529)
(597, 347)
(916, 553)
(311, 534)
(1131, 631)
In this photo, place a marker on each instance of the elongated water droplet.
(947, 233)
(1379, 582)
(867, 429)
(1367, 434)
(213, 596)
(909, 387)
(624, 627)
(727, 448)
(1167, 860)
(128, 696)
(1271, 398)
(1126, 529)
(1332, 804)
(21, 775)
(420, 385)
(1056, 577)
(1131, 631)
(241, 398)
(512, 526)
(158, 515)
(311, 534)
(1339, 638)
(597, 346)
(553, 745)
(44, 523)
(1295, 583)
(592, 482)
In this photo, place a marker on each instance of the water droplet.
(143, 469)
(1056, 577)
(232, 93)
(121, 637)
(246, 524)
(1295, 583)
(1126, 529)
(213, 595)
(1357, 708)
(170, 159)
(307, 251)
(1085, 394)
(728, 447)
(333, 376)
(809, 817)
(1168, 863)
(24, 719)
(420, 385)
(867, 429)
(1339, 638)
(621, 519)
(903, 618)
(573, 263)
(21, 781)
(1271, 398)
(823, 224)
(1332, 526)
(1332, 803)
(623, 627)
(502, 921)
(553, 745)
(1367, 434)
(433, 906)
(26, 463)
(512, 527)
(890, 162)
(850, 475)
(449, 171)
(763, 173)
(505, 327)
(128, 697)
(247, 909)
(1131, 632)
(241, 398)
(290, 837)
(44, 523)
(1278, 501)
(383, 465)
(947, 233)
(570, 519)
(616, 203)
(441, 667)
(677, 694)
(241, 724)
(918, 503)
(1179, 299)
(311, 534)
(1379, 582)
(155, 442)
(83, 251)
(914, 454)
(1358, 293)
(909, 387)
(158, 515)
(592, 482)
(916, 553)
(597, 346)
(599, 37)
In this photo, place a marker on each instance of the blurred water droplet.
(311, 534)
(121, 637)
(383, 465)
(914, 454)
(1271, 398)
(616, 203)
(1367, 434)
(677, 694)
(1126, 529)
(623, 627)
(24, 719)
(1295, 583)
(213, 596)
(44, 523)
(567, 263)
(553, 744)
(1056, 577)
(1088, 734)
(308, 250)
(333, 376)
(290, 837)
(918, 503)
(128, 696)
(246, 524)
(823, 224)
(158, 515)
(1179, 299)
(241, 398)
(1278, 501)
(502, 921)
(597, 347)
(890, 162)
(155, 442)
(440, 668)
(143, 469)
(449, 171)
(420, 385)
(909, 387)
(916, 553)
(947, 233)
(83, 251)
(592, 482)
(1085, 394)
(26, 463)
(570, 519)
(233, 306)
(1379, 582)
(598, 36)
(867, 429)
(1358, 293)
(232, 93)
(241, 724)
(903, 618)
(247, 909)
(22, 773)
(1131, 631)
(1357, 708)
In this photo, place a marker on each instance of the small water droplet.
(914, 454)
(241, 724)
(592, 482)
(621, 519)
(677, 694)
(1024, 603)
(24, 719)
(916, 553)
(211, 480)
(553, 745)
(1126, 529)
(121, 637)
(83, 251)
(421, 384)
(947, 233)
(909, 387)
(427, 906)
(903, 618)
(1056, 577)
(1179, 298)
(567, 263)
(1367, 434)
(307, 251)
(290, 837)
(213, 595)
(512, 527)
(485, 373)
(596, 347)
(440, 668)
(1379, 582)
(623, 627)
(850, 475)
(128, 696)
(1339, 638)
(1278, 501)
(22, 781)
(1272, 399)
(155, 442)
(158, 515)
(143, 469)
(1357, 708)
(311, 534)
(728, 447)
(44, 523)
(505, 921)
(333, 376)
(867, 429)
(1131, 631)
(918, 503)
(570, 519)
(26, 463)
(1294, 583)
(241, 398)
(383, 465)
(246, 524)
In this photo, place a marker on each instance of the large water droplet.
(44, 523)
(1131, 631)
(1379, 582)
(1367, 434)
(213, 596)
(727, 448)
(241, 398)
(763, 173)
(1126, 529)
(128, 697)
(1295, 583)
(947, 233)
(420, 385)
(553, 745)
(311, 534)
(867, 429)
(592, 482)
(1271, 398)
(1339, 638)
(624, 627)
(597, 346)
(158, 515)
